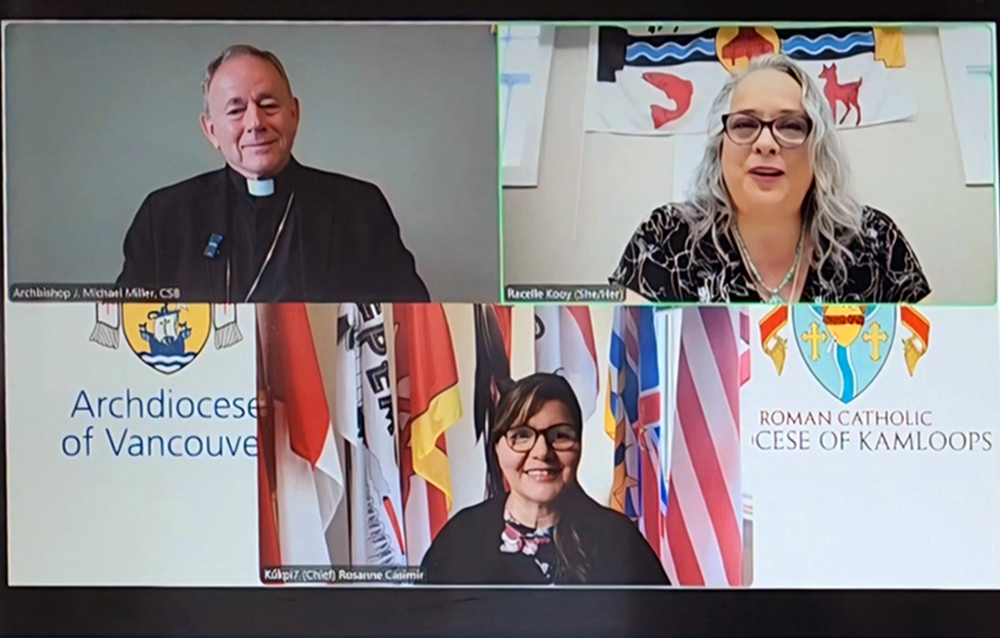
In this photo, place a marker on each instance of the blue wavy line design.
(167, 369)
(847, 374)
(161, 359)
(669, 50)
(827, 42)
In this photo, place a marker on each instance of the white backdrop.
(881, 518)
(110, 520)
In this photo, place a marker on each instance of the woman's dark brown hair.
(521, 401)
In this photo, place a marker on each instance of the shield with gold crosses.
(844, 346)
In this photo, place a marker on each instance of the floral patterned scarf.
(534, 543)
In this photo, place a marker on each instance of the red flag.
(429, 403)
(306, 484)
(504, 320)
(296, 380)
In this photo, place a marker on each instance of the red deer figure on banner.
(836, 92)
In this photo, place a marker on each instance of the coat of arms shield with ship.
(166, 336)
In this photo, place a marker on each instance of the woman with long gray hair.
(771, 218)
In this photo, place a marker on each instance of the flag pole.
(348, 487)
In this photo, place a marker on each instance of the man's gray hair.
(238, 51)
(831, 214)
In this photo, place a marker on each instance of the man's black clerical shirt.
(340, 241)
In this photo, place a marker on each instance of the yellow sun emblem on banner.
(736, 46)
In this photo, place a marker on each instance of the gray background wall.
(99, 115)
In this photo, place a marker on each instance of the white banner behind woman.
(654, 84)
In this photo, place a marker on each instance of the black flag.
(492, 372)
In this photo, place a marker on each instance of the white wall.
(594, 188)
(466, 456)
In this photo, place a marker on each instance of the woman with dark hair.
(545, 529)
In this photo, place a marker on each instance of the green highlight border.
(499, 59)
(992, 26)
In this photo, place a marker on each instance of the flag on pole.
(704, 518)
(300, 464)
(635, 411)
(429, 403)
(267, 511)
(364, 418)
(645, 83)
(493, 341)
(564, 345)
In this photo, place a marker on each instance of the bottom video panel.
(470, 445)
(794, 447)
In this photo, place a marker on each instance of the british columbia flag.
(635, 420)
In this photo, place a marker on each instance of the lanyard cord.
(270, 252)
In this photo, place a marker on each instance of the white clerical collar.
(260, 187)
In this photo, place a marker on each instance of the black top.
(340, 241)
(660, 264)
(467, 550)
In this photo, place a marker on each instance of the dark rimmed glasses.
(558, 437)
(789, 131)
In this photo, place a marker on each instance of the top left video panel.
(210, 162)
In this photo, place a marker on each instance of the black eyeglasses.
(558, 437)
(789, 131)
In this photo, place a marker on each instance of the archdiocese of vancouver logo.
(166, 336)
(845, 347)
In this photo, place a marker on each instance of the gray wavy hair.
(832, 216)
(237, 51)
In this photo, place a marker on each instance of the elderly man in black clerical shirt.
(266, 228)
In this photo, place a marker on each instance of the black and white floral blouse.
(660, 265)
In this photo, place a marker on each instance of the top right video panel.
(795, 162)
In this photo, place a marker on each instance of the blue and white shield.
(844, 347)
